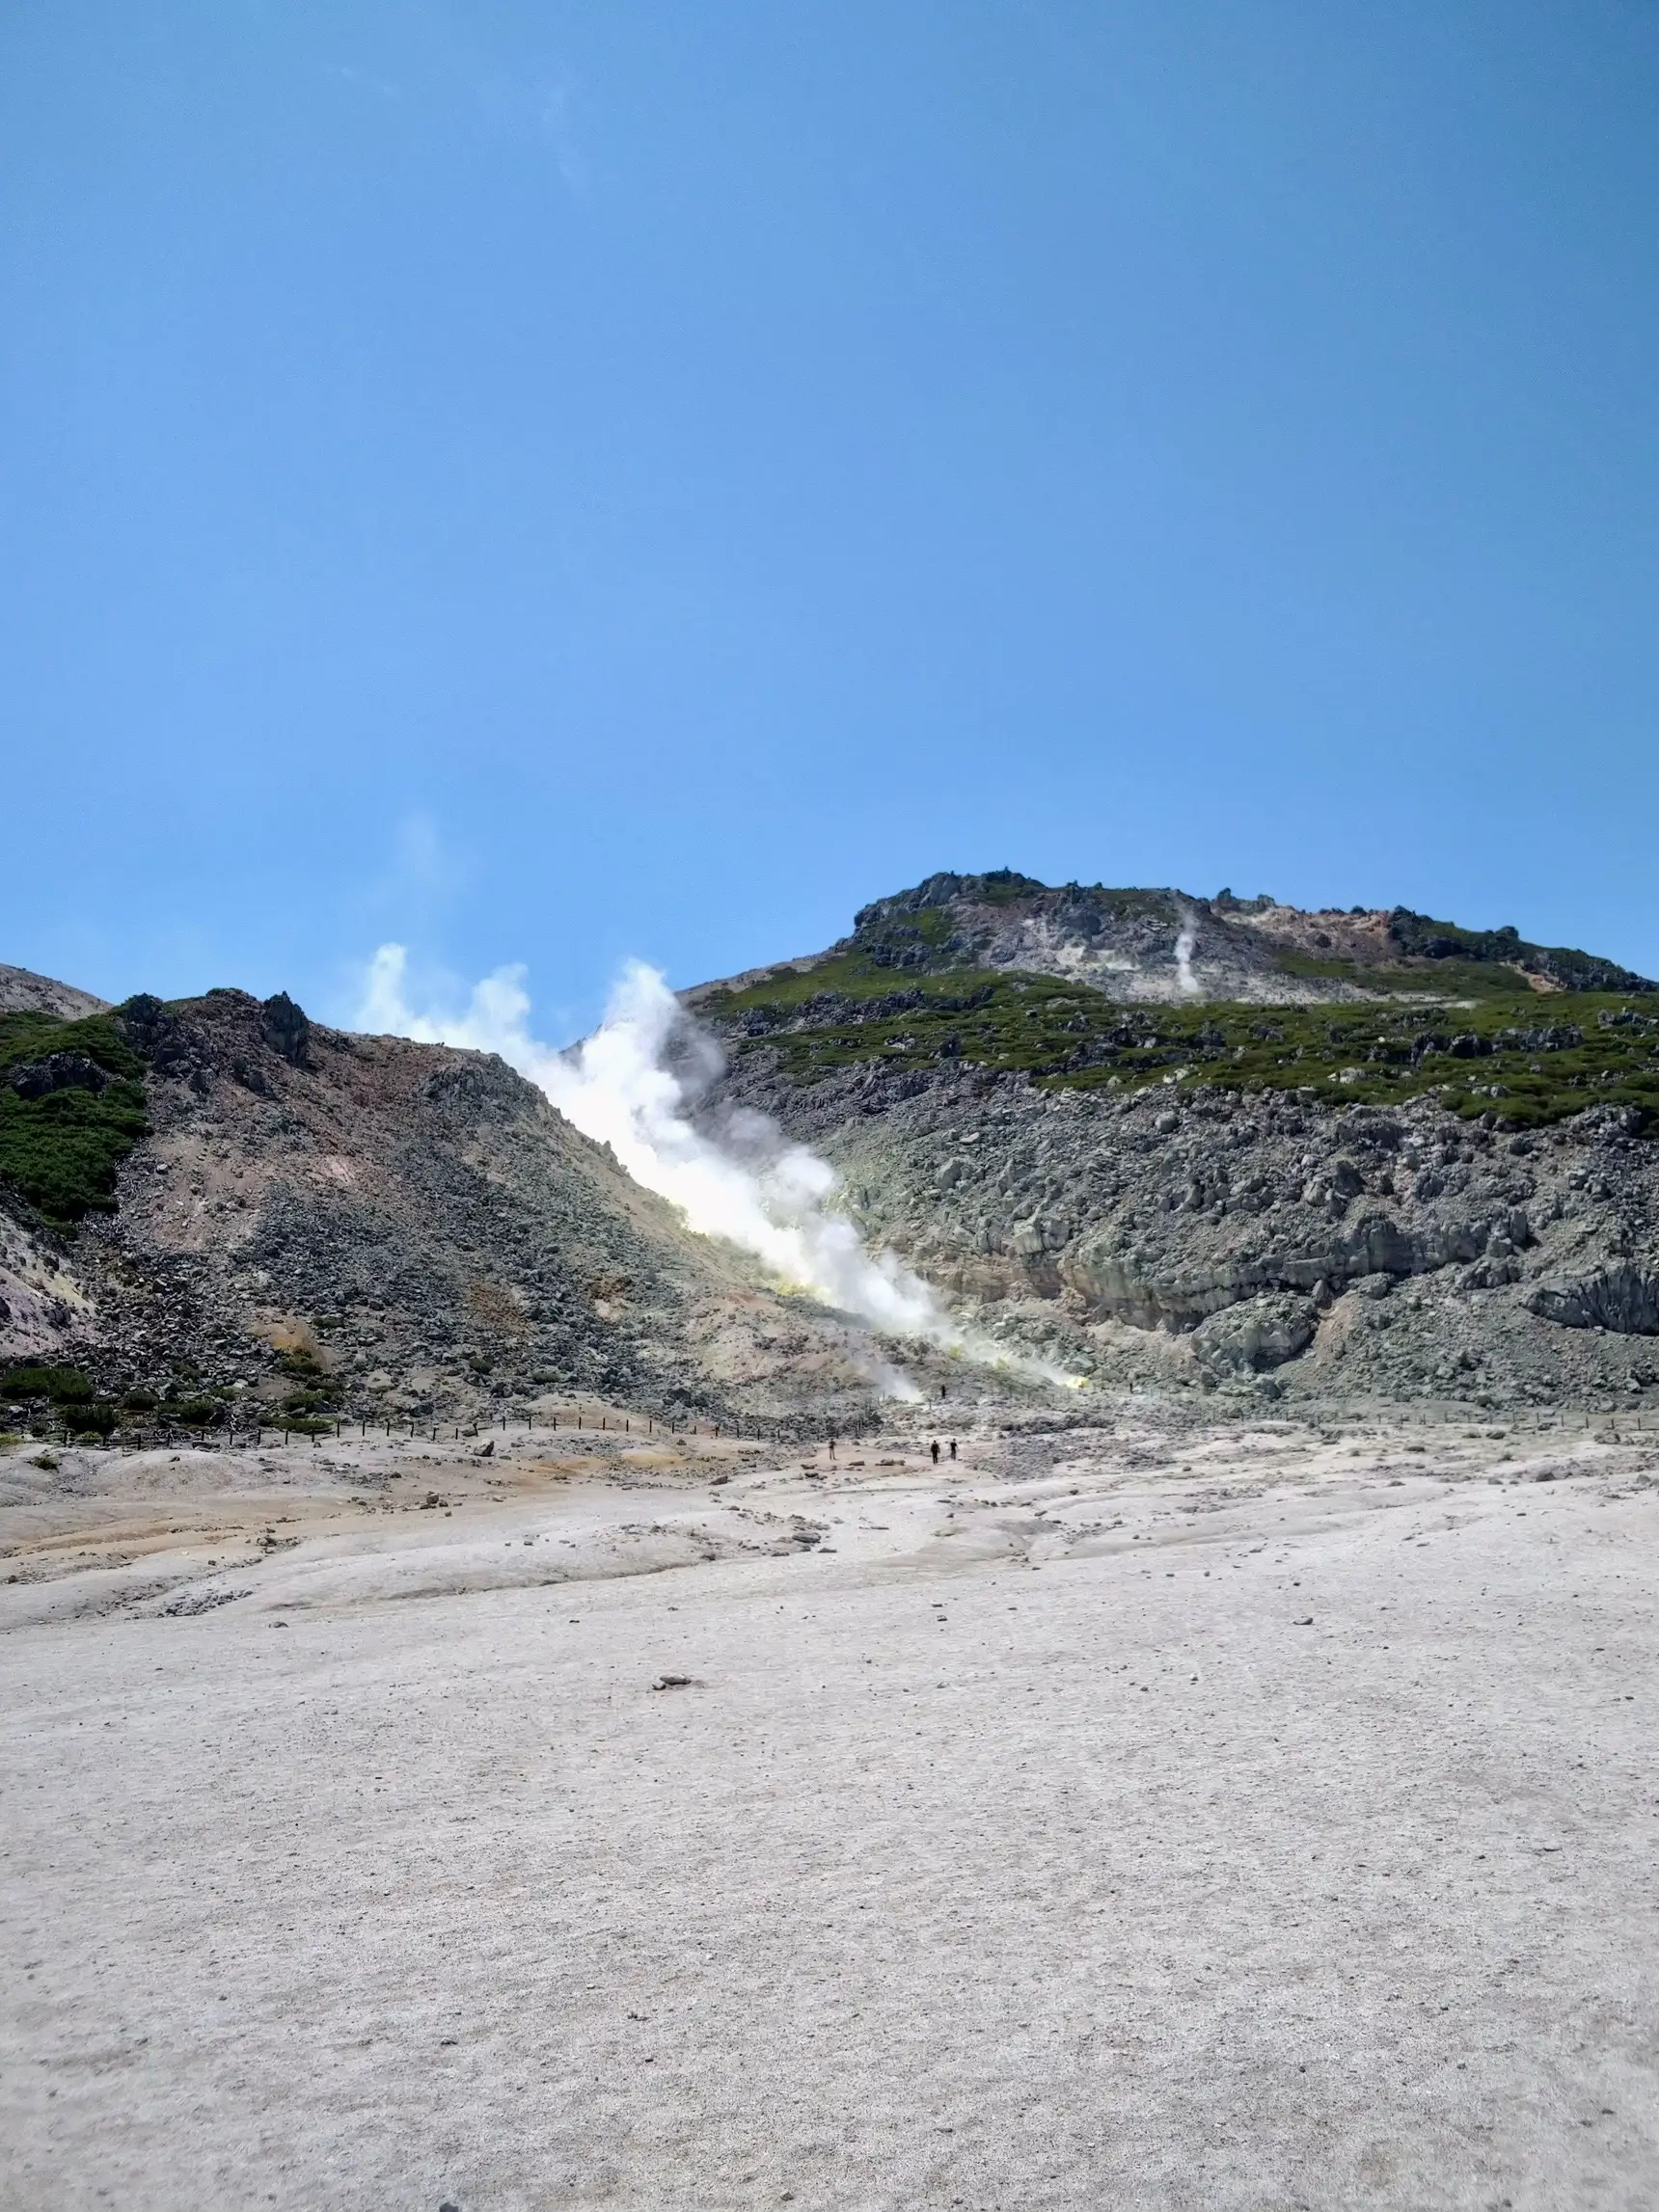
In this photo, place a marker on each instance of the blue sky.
(547, 482)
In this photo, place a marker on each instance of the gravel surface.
(1202, 1818)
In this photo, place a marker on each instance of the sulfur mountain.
(1200, 1145)
(1227, 1143)
(219, 1201)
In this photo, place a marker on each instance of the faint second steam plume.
(755, 1187)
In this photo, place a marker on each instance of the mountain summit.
(1169, 946)
(1089, 987)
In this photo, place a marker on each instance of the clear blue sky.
(548, 481)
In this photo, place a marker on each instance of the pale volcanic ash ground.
(1152, 1815)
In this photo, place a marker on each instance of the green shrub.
(193, 1412)
(317, 1390)
(26, 1038)
(302, 1403)
(64, 1385)
(62, 1151)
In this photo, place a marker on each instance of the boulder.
(1255, 1336)
(287, 1029)
(1623, 1297)
(58, 1071)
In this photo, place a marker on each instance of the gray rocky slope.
(411, 1228)
(22, 992)
(1274, 1239)
(1218, 1240)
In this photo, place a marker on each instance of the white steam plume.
(1184, 943)
(757, 1189)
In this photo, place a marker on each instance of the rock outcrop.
(1259, 1333)
(1439, 1257)
(1620, 1297)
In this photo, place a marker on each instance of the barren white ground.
(1208, 1819)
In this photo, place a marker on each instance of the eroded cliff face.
(1217, 1237)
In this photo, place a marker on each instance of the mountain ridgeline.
(1088, 988)
(1169, 1142)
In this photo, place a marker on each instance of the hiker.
(953, 1447)
(936, 1450)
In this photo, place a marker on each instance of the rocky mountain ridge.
(1406, 1192)
(1171, 947)
(1404, 1159)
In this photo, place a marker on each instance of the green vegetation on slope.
(1421, 937)
(71, 1108)
(37, 1378)
(1450, 979)
(1526, 1056)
